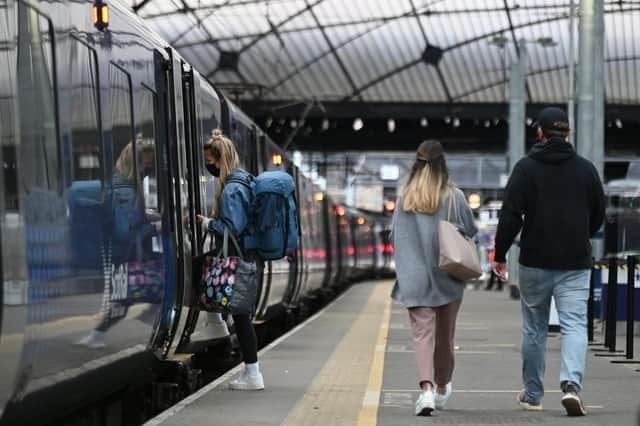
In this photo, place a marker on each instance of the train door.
(182, 213)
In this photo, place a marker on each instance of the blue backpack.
(273, 231)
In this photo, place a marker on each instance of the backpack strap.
(240, 181)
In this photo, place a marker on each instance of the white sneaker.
(95, 340)
(425, 403)
(215, 328)
(441, 400)
(247, 381)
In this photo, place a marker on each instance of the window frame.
(156, 159)
(57, 173)
(131, 122)
(75, 36)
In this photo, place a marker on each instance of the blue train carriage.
(88, 281)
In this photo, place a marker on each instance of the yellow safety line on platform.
(335, 395)
(369, 411)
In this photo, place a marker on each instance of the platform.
(353, 363)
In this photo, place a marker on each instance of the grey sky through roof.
(393, 50)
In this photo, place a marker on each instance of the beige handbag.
(458, 254)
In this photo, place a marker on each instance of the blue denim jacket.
(235, 205)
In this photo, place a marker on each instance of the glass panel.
(27, 66)
(85, 132)
(122, 127)
(147, 148)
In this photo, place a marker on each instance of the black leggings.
(246, 338)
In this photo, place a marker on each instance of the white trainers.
(215, 328)
(247, 381)
(94, 340)
(441, 400)
(425, 403)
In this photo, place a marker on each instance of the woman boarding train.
(431, 296)
(231, 211)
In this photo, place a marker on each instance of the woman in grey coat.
(432, 296)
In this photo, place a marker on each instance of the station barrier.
(610, 307)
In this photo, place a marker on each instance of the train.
(103, 176)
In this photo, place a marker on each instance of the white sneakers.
(95, 340)
(425, 403)
(441, 400)
(248, 381)
(215, 328)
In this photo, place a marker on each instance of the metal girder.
(538, 72)
(412, 110)
(279, 24)
(516, 44)
(137, 7)
(184, 33)
(383, 77)
(444, 84)
(333, 50)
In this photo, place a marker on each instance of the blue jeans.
(570, 290)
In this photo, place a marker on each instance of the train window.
(28, 107)
(122, 133)
(146, 116)
(86, 136)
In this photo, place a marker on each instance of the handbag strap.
(225, 244)
(452, 203)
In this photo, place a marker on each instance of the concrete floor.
(354, 364)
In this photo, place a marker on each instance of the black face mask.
(213, 170)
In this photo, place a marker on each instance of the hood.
(554, 151)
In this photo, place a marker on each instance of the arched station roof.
(427, 51)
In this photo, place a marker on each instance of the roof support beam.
(443, 83)
(333, 50)
(516, 44)
(382, 78)
(277, 26)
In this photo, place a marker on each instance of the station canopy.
(427, 51)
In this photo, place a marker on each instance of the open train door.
(182, 213)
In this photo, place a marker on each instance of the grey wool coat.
(416, 251)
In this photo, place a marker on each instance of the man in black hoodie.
(556, 198)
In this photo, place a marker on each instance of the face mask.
(213, 170)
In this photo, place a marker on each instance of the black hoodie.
(559, 197)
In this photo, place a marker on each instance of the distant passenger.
(432, 297)
(558, 197)
(231, 209)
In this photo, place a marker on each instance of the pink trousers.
(433, 331)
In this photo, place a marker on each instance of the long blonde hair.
(224, 152)
(428, 181)
(124, 165)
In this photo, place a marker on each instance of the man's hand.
(500, 269)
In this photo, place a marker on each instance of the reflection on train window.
(145, 101)
(207, 124)
(28, 63)
(122, 127)
(85, 100)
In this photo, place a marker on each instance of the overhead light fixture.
(391, 125)
(618, 123)
(325, 124)
(318, 196)
(456, 122)
(268, 122)
(100, 15)
(474, 200)
(424, 122)
(487, 123)
(447, 119)
(529, 121)
(358, 124)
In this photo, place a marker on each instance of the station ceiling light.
(318, 196)
(358, 124)
(456, 122)
(391, 125)
(100, 15)
(424, 122)
(474, 200)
